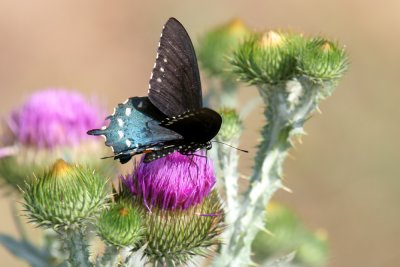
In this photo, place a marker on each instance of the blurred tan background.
(345, 176)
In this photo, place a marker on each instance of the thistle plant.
(292, 74)
(176, 209)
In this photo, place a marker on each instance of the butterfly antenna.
(242, 150)
(107, 157)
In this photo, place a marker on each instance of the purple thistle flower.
(173, 182)
(54, 117)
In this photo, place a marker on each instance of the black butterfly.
(172, 117)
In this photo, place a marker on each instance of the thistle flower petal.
(50, 124)
(173, 182)
(54, 117)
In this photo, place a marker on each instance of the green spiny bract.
(217, 45)
(231, 127)
(64, 197)
(174, 237)
(322, 60)
(121, 224)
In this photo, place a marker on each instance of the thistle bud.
(231, 127)
(266, 58)
(121, 224)
(322, 60)
(217, 46)
(65, 196)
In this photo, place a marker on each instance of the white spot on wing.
(126, 101)
(140, 104)
(158, 80)
(128, 111)
(162, 69)
(113, 112)
(128, 143)
(120, 134)
(165, 60)
(120, 122)
(103, 128)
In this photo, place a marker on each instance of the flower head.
(173, 182)
(54, 117)
(50, 124)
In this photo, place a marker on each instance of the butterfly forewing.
(174, 86)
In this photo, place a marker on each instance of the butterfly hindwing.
(198, 126)
(174, 86)
(135, 127)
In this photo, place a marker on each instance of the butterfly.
(172, 117)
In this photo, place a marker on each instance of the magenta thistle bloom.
(173, 182)
(54, 117)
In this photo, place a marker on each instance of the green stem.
(228, 94)
(283, 121)
(76, 243)
(228, 161)
(110, 258)
(17, 219)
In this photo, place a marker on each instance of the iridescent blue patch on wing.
(134, 127)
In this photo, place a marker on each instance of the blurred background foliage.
(344, 177)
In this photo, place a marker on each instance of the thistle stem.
(228, 160)
(110, 258)
(76, 243)
(283, 121)
(17, 220)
